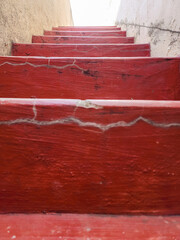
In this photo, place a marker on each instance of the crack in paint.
(85, 51)
(45, 65)
(102, 127)
(34, 110)
(80, 123)
(151, 27)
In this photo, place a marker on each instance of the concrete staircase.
(89, 124)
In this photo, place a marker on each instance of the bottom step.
(88, 227)
(93, 156)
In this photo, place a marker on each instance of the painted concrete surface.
(20, 19)
(81, 227)
(153, 21)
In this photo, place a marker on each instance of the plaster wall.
(20, 19)
(154, 21)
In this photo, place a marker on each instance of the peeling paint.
(88, 104)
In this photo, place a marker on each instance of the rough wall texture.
(19, 20)
(154, 21)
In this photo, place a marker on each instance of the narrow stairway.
(89, 136)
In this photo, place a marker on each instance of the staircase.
(89, 125)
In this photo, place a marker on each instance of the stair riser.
(86, 33)
(156, 79)
(63, 156)
(75, 50)
(65, 39)
(86, 28)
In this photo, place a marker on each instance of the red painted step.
(91, 156)
(81, 50)
(99, 78)
(85, 28)
(81, 39)
(95, 227)
(86, 33)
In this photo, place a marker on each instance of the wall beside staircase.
(20, 19)
(153, 21)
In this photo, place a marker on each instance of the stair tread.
(107, 78)
(81, 39)
(95, 227)
(90, 28)
(81, 50)
(94, 156)
(86, 33)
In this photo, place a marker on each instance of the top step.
(86, 33)
(85, 28)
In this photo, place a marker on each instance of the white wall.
(154, 21)
(94, 12)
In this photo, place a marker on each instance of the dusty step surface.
(81, 39)
(94, 227)
(85, 28)
(98, 78)
(89, 156)
(86, 33)
(81, 50)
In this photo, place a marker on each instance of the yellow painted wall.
(20, 19)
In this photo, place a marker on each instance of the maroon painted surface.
(99, 78)
(86, 33)
(89, 156)
(86, 28)
(81, 39)
(94, 227)
(81, 50)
